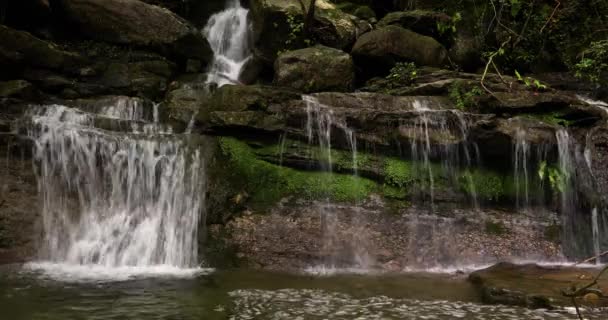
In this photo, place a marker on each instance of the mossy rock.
(284, 19)
(377, 51)
(420, 21)
(17, 89)
(315, 69)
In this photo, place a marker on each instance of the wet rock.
(532, 285)
(315, 69)
(419, 21)
(137, 23)
(146, 79)
(360, 11)
(377, 51)
(525, 100)
(20, 89)
(19, 48)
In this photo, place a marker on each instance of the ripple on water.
(97, 273)
(318, 304)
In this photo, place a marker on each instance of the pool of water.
(28, 293)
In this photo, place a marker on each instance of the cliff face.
(444, 106)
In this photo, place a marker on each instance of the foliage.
(450, 27)
(530, 82)
(402, 74)
(557, 179)
(594, 62)
(485, 184)
(463, 99)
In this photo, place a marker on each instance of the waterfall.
(113, 199)
(521, 155)
(229, 34)
(453, 150)
(319, 124)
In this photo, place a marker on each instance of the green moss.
(398, 173)
(555, 118)
(268, 183)
(486, 185)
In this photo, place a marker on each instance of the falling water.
(320, 121)
(115, 200)
(521, 155)
(595, 231)
(453, 151)
(229, 34)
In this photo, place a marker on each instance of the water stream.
(229, 34)
(125, 201)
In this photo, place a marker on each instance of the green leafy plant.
(557, 179)
(530, 82)
(594, 63)
(450, 26)
(463, 99)
(402, 74)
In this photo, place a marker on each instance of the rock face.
(386, 46)
(315, 69)
(137, 23)
(283, 19)
(419, 21)
(19, 48)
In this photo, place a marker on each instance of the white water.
(522, 150)
(125, 203)
(229, 34)
(319, 124)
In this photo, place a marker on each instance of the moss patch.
(267, 183)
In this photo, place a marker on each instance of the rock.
(17, 89)
(377, 51)
(466, 51)
(526, 101)
(19, 48)
(533, 286)
(137, 23)
(185, 100)
(244, 106)
(146, 79)
(360, 11)
(419, 21)
(315, 69)
(332, 27)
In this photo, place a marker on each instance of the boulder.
(377, 51)
(20, 89)
(283, 20)
(19, 48)
(419, 21)
(314, 69)
(137, 23)
(534, 286)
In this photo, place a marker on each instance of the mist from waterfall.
(229, 34)
(115, 199)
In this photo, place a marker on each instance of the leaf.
(518, 76)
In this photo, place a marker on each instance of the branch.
(491, 62)
(551, 17)
(592, 258)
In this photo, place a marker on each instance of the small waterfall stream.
(229, 34)
(319, 125)
(116, 199)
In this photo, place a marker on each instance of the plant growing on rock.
(594, 62)
(402, 74)
(530, 82)
(463, 99)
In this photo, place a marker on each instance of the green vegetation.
(486, 185)
(268, 183)
(594, 62)
(555, 118)
(557, 179)
(402, 74)
(450, 27)
(462, 98)
(530, 82)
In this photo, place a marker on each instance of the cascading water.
(115, 200)
(229, 34)
(450, 125)
(320, 121)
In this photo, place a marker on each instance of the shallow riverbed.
(28, 293)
